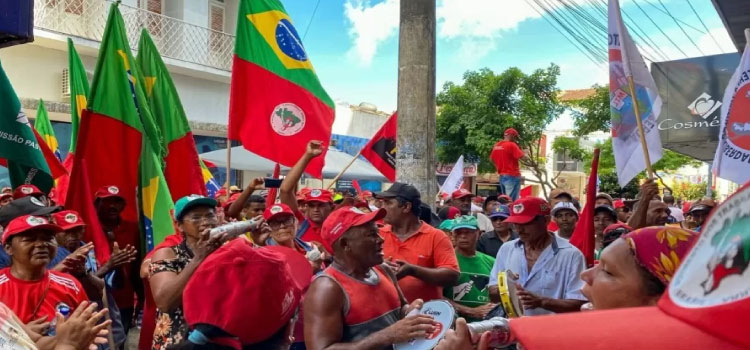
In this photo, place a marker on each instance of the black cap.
(24, 206)
(605, 208)
(404, 191)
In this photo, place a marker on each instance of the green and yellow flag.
(79, 91)
(43, 127)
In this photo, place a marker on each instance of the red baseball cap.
(344, 218)
(319, 195)
(272, 295)
(68, 219)
(108, 192)
(231, 200)
(523, 210)
(705, 306)
(618, 204)
(460, 193)
(27, 190)
(277, 210)
(25, 223)
(4, 195)
(505, 196)
(511, 131)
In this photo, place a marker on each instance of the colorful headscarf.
(660, 249)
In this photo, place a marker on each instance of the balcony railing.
(174, 38)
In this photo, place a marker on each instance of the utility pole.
(415, 156)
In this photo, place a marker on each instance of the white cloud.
(709, 47)
(371, 25)
(480, 18)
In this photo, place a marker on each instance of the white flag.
(732, 159)
(455, 179)
(625, 61)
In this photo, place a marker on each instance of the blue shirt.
(556, 274)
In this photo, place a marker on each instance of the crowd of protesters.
(320, 270)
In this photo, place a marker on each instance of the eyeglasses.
(275, 225)
(211, 218)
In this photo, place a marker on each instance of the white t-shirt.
(484, 222)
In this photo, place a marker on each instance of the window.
(216, 24)
(152, 18)
(563, 162)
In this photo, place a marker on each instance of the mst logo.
(287, 119)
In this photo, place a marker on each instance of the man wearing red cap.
(319, 202)
(354, 303)
(31, 290)
(461, 199)
(5, 198)
(109, 205)
(30, 191)
(506, 154)
(547, 267)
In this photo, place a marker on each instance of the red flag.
(271, 198)
(381, 150)
(208, 163)
(583, 235)
(525, 192)
(80, 199)
(357, 188)
(55, 167)
(60, 192)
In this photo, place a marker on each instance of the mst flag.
(182, 168)
(583, 235)
(116, 121)
(22, 150)
(43, 127)
(732, 159)
(380, 151)
(78, 84)
(625, 62)
(276, 103)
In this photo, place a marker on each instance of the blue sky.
(353, 44)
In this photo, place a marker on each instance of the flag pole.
(641, 133)
(333, 182)
(229, 164)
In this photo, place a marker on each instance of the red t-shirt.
(505, 155)
(312, 234)
(430, 248)
(23, 296)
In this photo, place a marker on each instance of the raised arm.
(286, 190)
(649, 189)
(236, 208)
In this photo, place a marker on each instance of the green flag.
(43, 127)
(20, 147)
(79, 92)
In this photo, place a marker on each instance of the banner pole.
(333, 182)
(229, 164)
(641, 133)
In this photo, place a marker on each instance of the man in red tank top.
(354, 303)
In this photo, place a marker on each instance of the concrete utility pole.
(415, 157)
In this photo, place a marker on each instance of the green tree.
(592, 114)
(690, 191)
(473, 116)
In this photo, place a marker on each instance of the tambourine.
(443, 313)
(508, 296)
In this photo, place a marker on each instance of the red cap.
(4, 195)
(344, 218)
(68, 219)
(705, 306)
(277, 210)
(272, 294)
(6, 189)
(453, 213)
(618, 204)
(26, 190)
(506, 197)
(318, 195)
(25, 223)
(108, 191)
(460, 193)
(366, 195)
(526, 209)
(231, 200)
(302, 193)
(511, 131)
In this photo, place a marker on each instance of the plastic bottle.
(64, 310)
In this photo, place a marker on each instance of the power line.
(311, 19)
(682, 29)
(704, 26)
(645, 38)
(563, 20)
(666, 12)
(659, 28)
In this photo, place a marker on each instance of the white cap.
(564, 205)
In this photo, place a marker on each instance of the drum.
(508, 298)
(443, 313)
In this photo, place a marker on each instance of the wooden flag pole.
(229, 165)
(343, 170)
(641, 133)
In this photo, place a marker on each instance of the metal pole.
(709, 182)
(415, 158)
(229, 165)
